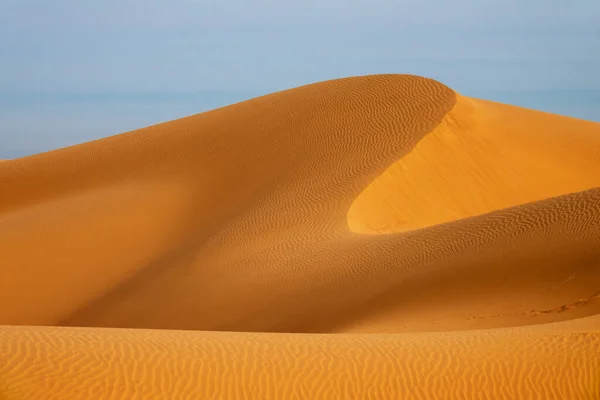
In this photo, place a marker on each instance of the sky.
(77, 70)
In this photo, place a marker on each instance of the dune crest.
(406, 239)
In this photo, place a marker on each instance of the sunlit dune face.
(474, 163)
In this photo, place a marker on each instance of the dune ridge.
(384, 219)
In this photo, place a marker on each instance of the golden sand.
(368, 237)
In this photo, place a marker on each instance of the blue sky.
(77, 70)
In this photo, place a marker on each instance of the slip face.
(482, 157)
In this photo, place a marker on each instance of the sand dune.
(366, 237)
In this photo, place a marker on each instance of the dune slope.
(384, 204)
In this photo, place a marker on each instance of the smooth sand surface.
(369, 237)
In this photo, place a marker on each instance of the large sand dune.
(370, 237)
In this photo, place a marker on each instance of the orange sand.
(439, 245)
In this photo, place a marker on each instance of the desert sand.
(368, 237)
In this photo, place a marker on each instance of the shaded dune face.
(379, 204)
(276, 174)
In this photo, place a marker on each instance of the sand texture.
(370, 237)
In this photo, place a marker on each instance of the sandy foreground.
(371, 237)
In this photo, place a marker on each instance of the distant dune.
(367, 237)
